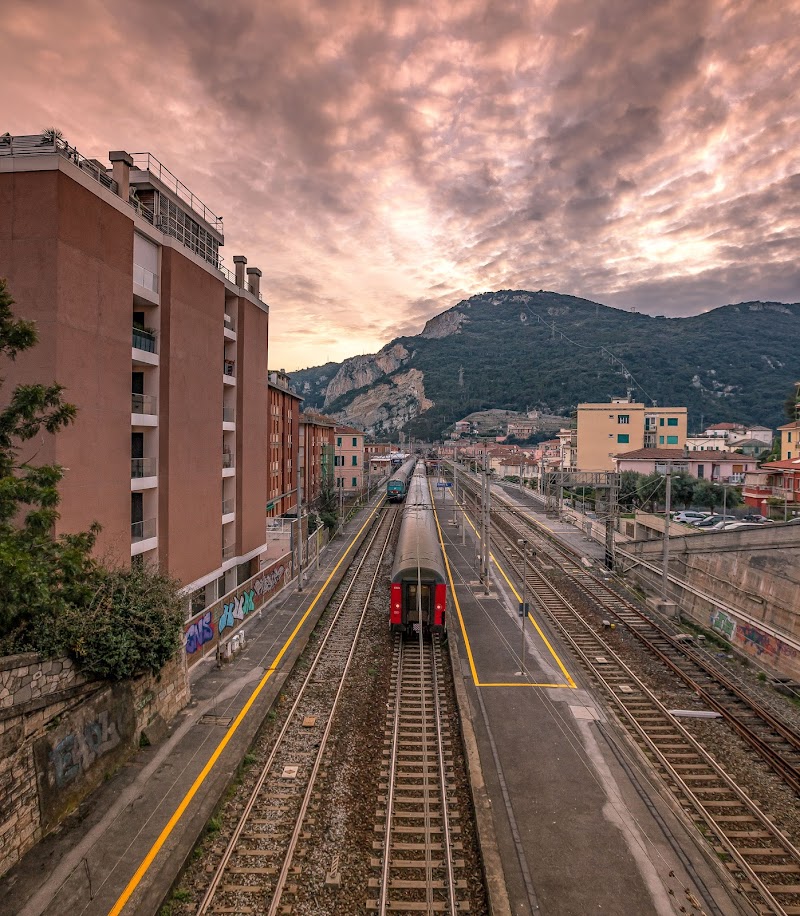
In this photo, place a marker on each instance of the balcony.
(143, 531)
(144, 404)
(143, 467)
(228, 552)
(144, 340)
(229, 323)
(145, 278)
(229, 371)
(227, 461)
(228, 510)
(228, 414)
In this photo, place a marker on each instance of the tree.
(683, 485)
(708, 495)
(40, 575)
(791, 406)
(630, 483)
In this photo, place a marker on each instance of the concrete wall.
(744, 584)
(60, 734)
(68, 258)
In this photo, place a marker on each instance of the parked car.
(712, 521)
(690, 516)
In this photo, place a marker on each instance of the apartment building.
(284, 446)
(162, 349)
(604, 430)
(316, 438)
(349, 459)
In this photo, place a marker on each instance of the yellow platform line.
(141, 871)
(570, 682)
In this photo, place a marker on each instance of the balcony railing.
(144, 404)
(141, 531)
(144, 340)
(230, 322)
(145, 278)
(227, 459)
(146, 162)
(228, 414)
(229, 367)
(143, 467)
(228, 506)
(228, 551)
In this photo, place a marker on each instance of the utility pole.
(611, 519)
(485, 526)
(523, 611)
(665, 558)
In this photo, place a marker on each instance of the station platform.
(121, 851)
(570, 821)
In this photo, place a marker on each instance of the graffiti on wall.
(199, 633)
(223, 617)
(76, 752)
(757, 641)
(723, 624)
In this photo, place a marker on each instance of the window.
(701, 471)
(355, 461)
(672, 440)
(672, 421)
(355, 482)
(660, 440)
(623, 418)
(790, 437)
(355, 442)
(660, 421)
(623, 437)
(339, 441)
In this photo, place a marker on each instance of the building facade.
(349, 459)
(604, 430)
(317, 438)
(162, 349)
(717, 467)
(284, 446)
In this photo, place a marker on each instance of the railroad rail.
(259, 870)
(756, 852)
(417, 868)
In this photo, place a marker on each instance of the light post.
(299, 530)
(523, 607)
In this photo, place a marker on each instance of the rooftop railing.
(147, 162)
(48, 144)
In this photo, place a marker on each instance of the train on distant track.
(419, 585)
(397, 485)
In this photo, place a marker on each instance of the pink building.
(716, 466)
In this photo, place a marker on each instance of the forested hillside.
(516, 350)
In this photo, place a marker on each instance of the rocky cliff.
(360, 371)
(388, 406)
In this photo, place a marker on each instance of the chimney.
(254, 284)
(122, 163)
(239, 260)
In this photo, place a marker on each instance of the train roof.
(403, 472)
(418, 547)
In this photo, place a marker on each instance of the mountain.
(519, 350)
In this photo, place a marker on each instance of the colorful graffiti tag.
(723, 624)
(199, 633)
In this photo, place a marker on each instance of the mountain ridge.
(514, 349)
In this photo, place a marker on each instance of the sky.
(381, 160)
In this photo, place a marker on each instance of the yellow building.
(790, 441)
(605, 430)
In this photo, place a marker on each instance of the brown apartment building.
(163, 350)
(284, 442)
(316, 442)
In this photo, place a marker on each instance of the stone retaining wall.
(60, 734)
(744, 584)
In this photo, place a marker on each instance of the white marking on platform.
(584, 712)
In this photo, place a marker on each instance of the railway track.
(418, 867)
(262, 865)
(756, 852)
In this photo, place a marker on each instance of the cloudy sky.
(381, 159)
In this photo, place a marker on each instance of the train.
(419, 584)
(397, 484)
